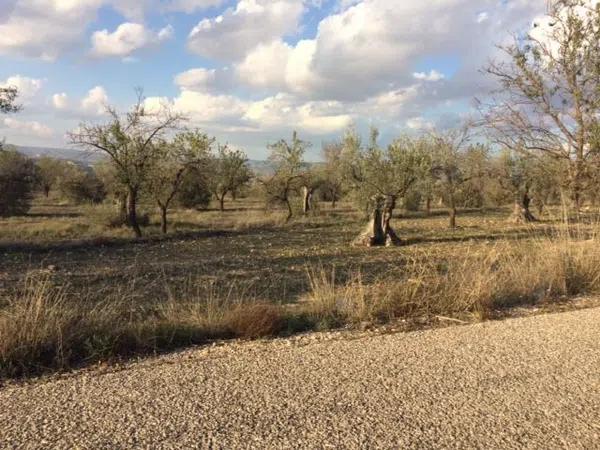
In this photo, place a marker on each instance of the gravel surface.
(521, 383)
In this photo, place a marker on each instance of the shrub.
(194, 191)
(80, 186)
(412, 200)
(16, 183)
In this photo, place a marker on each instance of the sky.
(251, 71)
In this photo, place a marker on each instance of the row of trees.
(149, 154)
(448, 169)
(542, 125)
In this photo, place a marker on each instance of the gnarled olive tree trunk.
(379, 232)
(132, 212)
(521, 212)
(307, 197)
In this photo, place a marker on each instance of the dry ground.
(244, 245)
(75, 291)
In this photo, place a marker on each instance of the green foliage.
(333, 187)
(81, 186)
(48, 171)
(17, 174)
(412, 200)
(8, 96)
(228, 172)
(287, 160)
(390, 172)
(194, 191)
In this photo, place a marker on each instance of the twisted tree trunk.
(132, 212)
(379, 232)
(521, 212)
(163, 219)
(307, 195)
(452, 212)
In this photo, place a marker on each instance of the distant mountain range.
(71, 154)
(89, 158)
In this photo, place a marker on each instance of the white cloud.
(483, 17)
(369, 47)
(60, 101)
(28, 127)
(95, 101)
(196, 79)
(126, 39)
(27, 87)
(232, 34)
(266, 65)
(433, 75)
(45, 28)
(419, 124)
(284, 111)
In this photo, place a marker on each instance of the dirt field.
(244, 245)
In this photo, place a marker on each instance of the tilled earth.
(522, 383)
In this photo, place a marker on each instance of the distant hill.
(81, 157)
(87, 159)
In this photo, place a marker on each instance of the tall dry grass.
(43, 327)
(476, 282)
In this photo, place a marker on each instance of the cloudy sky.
(251, 71)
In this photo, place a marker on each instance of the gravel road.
(522, 383)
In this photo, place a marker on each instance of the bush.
(17, 174)
(194, 191)
(412, 201)
(80, 186)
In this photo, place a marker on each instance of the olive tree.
(332, 185)
(8, 97)
(447, 166)
(228, 173)
(48, 172)
(16, 182)
(190, 149)
(132, 143)
(79, 185)
(287, 160)
(549, 90)
(514, 172)
(381, 177)
(115, 190)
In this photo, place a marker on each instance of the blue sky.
(251, 71)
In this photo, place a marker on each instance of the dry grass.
(42, 327)
(475, 282)
(80, 304)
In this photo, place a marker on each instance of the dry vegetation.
(93, 294)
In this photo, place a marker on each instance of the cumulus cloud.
(60, 101)
(28, 127)
(93, 104)
(45, 28)
(27, 87)
(126, 39)
(95, 101)
(232, 34)
(284, 111)
(369, 47)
